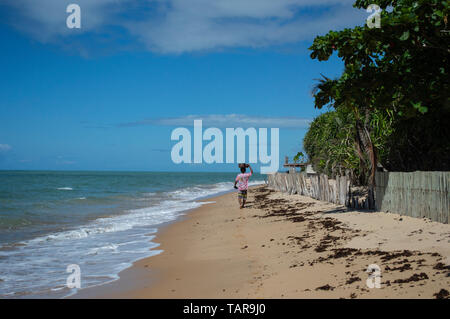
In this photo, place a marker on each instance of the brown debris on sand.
(324, 239)
(326, 287)
(442, 294)
(352, 280)
(415, 277)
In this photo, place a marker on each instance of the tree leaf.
(405, 36)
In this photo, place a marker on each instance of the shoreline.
(101, 290)
(287, 246)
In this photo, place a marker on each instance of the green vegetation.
(331, 144)
(391, 105)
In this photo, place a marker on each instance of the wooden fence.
(416, 194)
(316, 186)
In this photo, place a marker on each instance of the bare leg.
(244, 199)
(240, 201)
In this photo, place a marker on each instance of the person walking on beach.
(242, 184)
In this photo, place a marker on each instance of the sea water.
(100, 221)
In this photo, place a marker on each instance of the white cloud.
(227, 120)
(199, 25)
(46, 19)
(68, 162)
(177, 26)
(5, 147)
(64, 160)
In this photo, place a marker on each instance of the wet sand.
(288, 246)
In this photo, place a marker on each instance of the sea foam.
(102, 247)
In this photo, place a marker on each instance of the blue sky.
(107, 96)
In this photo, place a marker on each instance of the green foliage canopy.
(401, 66)
(394, 92)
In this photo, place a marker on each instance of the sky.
(108, 95)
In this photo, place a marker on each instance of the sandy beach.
(288, 246)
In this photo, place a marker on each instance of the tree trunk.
(362, 162)
(365, 143)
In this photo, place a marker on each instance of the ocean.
(100, 221)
